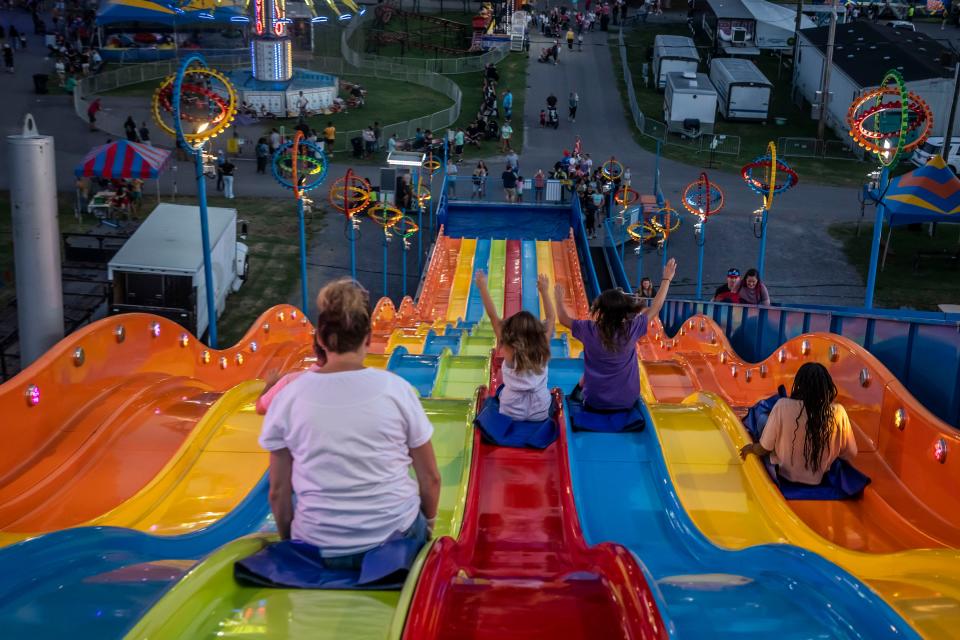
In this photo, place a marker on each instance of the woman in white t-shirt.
(343, 437)
(806, 432)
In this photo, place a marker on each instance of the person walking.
(506, 132)
(226, 171)
(329, 138)
(15, 35)
(8, 58)
(92, 111)
(574, 103)
(539, 183)
(221, 160)
(144, 134)
(508, 104)
(263, 152)
(130, 129)
(452, 171)
(274, 140)
(570, 38)
(509, 183)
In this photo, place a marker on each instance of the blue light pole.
(302, 179)
(877, 234)
(193, 143)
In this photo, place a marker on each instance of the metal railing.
(656, 130)
(136, 55)
(443, 66)
(151, 71)
(791, 147)
(913, 350)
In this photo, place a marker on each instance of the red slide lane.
(521, 569)
(512, 281)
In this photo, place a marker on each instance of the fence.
(656, 130)
(154, 71)
(443, 66)
(813, 148)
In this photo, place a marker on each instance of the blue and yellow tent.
(170, 13)
(928, 194)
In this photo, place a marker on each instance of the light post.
(767, 187)
(702, 199)
(210, 114)
(306, 172)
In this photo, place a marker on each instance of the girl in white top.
(806, 432)
(343, 438)
(525, 343)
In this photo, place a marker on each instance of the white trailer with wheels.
(689, 104)
(743, 92)
(673, 54)
(160, 269)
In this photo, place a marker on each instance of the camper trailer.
(689, 103)
(743, 93)
(673, 54)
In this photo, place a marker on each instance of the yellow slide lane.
(736, 506)
(462, 277)
(214, 469)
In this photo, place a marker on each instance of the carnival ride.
(133, 426)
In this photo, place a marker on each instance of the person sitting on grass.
(524, 342)
(807, 432)
(611, 374)
(343, 438)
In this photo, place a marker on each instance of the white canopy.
(775, 23)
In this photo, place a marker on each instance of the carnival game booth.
(145, 30)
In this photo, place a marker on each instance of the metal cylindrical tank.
(36, 241)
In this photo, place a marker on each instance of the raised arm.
(480, 279)
(550, 321)
(669, 271)
(562, 316)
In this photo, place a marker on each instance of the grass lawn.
(274, 260)
(423, 32)
(935, 281)
(753, 136)
(513, 74)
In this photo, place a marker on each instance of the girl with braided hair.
(808, 431)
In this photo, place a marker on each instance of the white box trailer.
(743, 92)
(160, 270)
(689, 103)
(673, 54)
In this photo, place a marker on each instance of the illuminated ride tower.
(271, 50)
(272, 86)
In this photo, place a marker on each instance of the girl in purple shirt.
(611, 375)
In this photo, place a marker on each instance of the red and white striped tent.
(124, 160)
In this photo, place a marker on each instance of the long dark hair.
(613, 311)
(814, 387)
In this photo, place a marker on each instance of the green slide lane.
(496, 270)
(208, 603)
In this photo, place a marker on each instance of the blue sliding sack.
(504, 431)
(584, 418)
(298, 565)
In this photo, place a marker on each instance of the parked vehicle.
(932, 147)
(743, 93)
(689, 104)
(673, 54)
(160, 268)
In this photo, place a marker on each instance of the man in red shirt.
(725, 292)
(92, 114)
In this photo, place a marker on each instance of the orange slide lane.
(434, 299)
(129, 390)
(912, 501)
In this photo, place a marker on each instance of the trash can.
(357, 144)
(40, 82)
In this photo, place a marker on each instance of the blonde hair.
(527, 337)
(343, 315)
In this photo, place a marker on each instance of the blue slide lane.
(418, 370)
(481, 260)
(96, 582)
(528, 268)
(624, 494)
